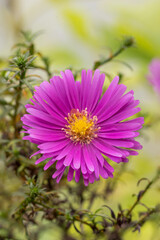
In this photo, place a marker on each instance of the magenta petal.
(131, 152)
(86, 182)
(85, 87)
(77, 175)
(120, 142)
(122, 115)
(77, 157)
(43, 115)
(92, 178)
(114, 109)
(137, 145)
(51, 162)
(103, 172)
(34, 154)
(41, 159)
(108, 166)
(114, 159)
(60, 176)
(106, 97)
(154, 74)
(60, 170)
(117, 135)
(94, 160)
(83, 165)
(106, 148)
(59, 164)
(65, 151)
(68, 160)
(99, 157)
(52, 147)
(87, 159)
(70, 174)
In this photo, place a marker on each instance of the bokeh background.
(75, 33)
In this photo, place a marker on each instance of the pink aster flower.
(74, 125)
(154, 75)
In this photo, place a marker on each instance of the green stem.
(128, 42)
(142, 220)
(144, 192)
(17, 103)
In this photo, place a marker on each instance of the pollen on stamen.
(81, 126)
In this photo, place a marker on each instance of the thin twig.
(142, 193)
(128, 42)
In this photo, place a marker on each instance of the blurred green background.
(75, 34)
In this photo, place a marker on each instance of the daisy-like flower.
(74, 125)
(154, 75)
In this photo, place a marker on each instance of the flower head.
(154, 75)
(74, 125)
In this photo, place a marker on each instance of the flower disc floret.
(81, 127)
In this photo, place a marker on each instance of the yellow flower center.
(81, 127)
